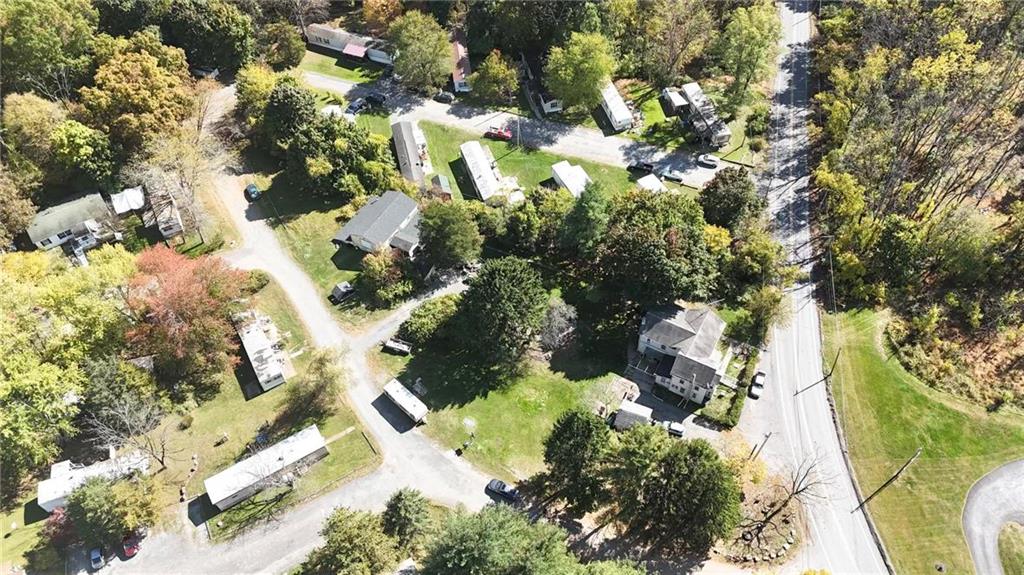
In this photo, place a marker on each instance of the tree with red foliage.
(182, 307)
(58, 529)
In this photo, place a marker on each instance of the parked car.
(397, 346)
(503, 490)
(130, 546)
(444, 97)
(202, 72)
(377, 99)
(96, 559)
(674, 428)
(708, 161)
(496, 133)
(671, 175)
(643, 167)
(252, 193)
(341, 292)
(356, 106)
(757, 385)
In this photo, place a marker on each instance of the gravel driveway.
(995, 500)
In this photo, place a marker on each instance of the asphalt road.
(555, 137)
(996, 499)
(794, 407)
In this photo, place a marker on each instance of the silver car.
(757, 385)
(708, 161)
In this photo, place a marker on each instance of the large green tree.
(125, 17)
(406, 517)
(747, 46)
(729, 198)
(213, 33)
(577, 71)
(354, 543)
(289, 108)
(502, 309)
(104, 510)
(575, 452)
(631, 464)
(28, 121)
(16, 210)
(495, 79)
(587, 222)
(282, 45)
(498, 539)
(383, 278)
(81, 150)
(430, 320)
(449, 237)
(46, 45)
(424, 53)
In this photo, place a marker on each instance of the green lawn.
(887, 414)
(340, 67)
(530, 166)
(1011, 548)
(510, 421)
(27, 518)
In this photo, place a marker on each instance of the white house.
(460, 63)
(65, 476)
(535, 84)
(259, 336)
(411, 151)
(482, 169)
(570, 177)
(685, 342)
(85, 220)
(251, 475)
(353, 45)
(619, 115)
(703, 116)
(389, 220)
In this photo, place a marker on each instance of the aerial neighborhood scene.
(512, 287)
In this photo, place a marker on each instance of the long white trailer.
(406, 401)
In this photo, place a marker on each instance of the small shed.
(631, 413)
(651, 183)
(570, 177)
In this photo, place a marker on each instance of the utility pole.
(757, 448)
(890, 481)
(827, 375)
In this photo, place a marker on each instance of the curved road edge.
(993, 501)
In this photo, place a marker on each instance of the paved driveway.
(555, 137)
(996, 499)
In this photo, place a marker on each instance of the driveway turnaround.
(555, 137)
(995, 500)
(801, 423)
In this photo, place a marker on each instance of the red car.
(130, 545)
(503, 134)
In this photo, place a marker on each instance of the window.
(45, 242)
(64, 234)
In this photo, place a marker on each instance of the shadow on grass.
(201, 510)
(263, 507)
(454, 378)
(31, 513)
(369, 70)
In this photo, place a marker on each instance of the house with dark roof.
(686, 344)
(389, 220)
(410, 151)
(703, 116)
(85, 222)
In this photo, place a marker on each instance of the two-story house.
(685, 344)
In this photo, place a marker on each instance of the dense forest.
(920, 181)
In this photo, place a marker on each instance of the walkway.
(995, 500)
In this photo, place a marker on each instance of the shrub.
(257, 280)
(758, 119)
(428, 320)
(186, 422)
(757, 144)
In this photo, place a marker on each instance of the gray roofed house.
(686, 343)
(391, 219)
(409, 151)
(87, 217)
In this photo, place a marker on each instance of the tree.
(804, 484)
(729, 198)
(16, 211)
(132, 419)
(747, 46)
(682, 31)
(28, 121)
(213, 33)
(109, 378)
(559, 324)
(77, 148)
(283, 46)
(58, 529)
(46, 45)
(253, 86)
(631, 464)
(180, 307)
(587, 222)
(495, 79)
(124, 17)
(525, 25)
(379, 15)
(103, 510)
(613, 568)
(574, 452)
(406, 518)
(383, 278)
(424, 53)
(354, 543)
(497, 539)
(691, 500)
(134, 99)
(449, 237)
(577, 71)
(146, 41)
(289, 108)
(430, 320)
(298, 12)
(502, 309)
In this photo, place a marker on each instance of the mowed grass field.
(330, 64)
(1011, 548)
(887, 414)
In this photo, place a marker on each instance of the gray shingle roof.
(695, 332)
(409, 162)
(68, 215)
(383, 218)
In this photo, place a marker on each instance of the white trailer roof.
(65, 477)
(478, 163)
(264, 464)
(405, 399)
(636, 409)
(570, 177)
(128, 199)
(267, 362)
(674, 97)
(618, 112)
(651, 183)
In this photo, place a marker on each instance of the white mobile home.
(351, 45)
(251, 475)
(619, 115)
(406, 401)
(570, 177)
(65, 476)
(258, 334)
(480, 165)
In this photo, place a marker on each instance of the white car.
(675, 428)
(757, 385)
(708, 161)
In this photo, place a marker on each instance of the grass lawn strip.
(1011, 548)
(340, 67)
(887, 414)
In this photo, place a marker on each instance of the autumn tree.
(28, 121)
(354, 542)
(282, 45)
(424, 53)
(383, 278)
(46, 45)
(253, 86)
(379, 15)
(746, 48)
(574, 452)
(449, 237)
(83, 151)
(181, 308)
(577, 71)
(16, 210)
(495, 79)
(103, 510)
